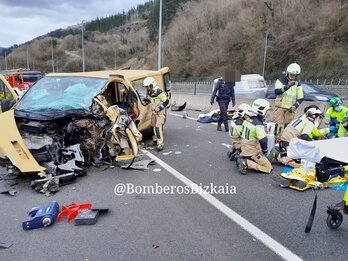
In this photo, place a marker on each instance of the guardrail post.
(195, 88)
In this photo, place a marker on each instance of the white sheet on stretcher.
(314, 151)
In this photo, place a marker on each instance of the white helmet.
(314, 112)
(150, 82)
(293, 68)
(243, 109)
(260, 106)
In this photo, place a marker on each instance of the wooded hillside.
(203, 38)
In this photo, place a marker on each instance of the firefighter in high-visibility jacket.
(289, 96)
(158, 101)
(254, 151)
(305, 128)
(235, 133)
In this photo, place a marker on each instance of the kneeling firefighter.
(236, 131)
(305, 128)
(254, 153)
(158, 101)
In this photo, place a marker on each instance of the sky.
(24, 20)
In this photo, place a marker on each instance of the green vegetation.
(203, 38)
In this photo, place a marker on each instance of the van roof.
(251, 76)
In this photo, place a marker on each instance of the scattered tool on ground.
(72, 211)
(41, 216)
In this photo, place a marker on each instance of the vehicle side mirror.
(7, 104)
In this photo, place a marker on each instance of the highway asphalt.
(178, 226)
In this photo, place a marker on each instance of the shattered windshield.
(61, 93)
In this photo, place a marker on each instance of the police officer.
(158, 101)
(335, 114)
(254, 140)
(236, 130)
(224, 93)
(305, 128)
(289, 96)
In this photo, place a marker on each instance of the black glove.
(146, 100)
(212, 101)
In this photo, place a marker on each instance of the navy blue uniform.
(224, 93)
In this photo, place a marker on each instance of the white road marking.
(268, 241)
(190, 118)
(226, 145)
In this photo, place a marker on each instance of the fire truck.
(21, 79)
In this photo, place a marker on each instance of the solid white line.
(190, 118)
(268, 241)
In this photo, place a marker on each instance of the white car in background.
(251, 86)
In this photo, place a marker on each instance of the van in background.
(251, 86)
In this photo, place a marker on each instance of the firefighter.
(289, 96)
(236, 130)
(335, 114)
(158, 101)
(305, 128)
(254, 151)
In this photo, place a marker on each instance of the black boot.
(226, 127)
(219, 126)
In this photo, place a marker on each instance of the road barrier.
(205, 87)
(201, 102)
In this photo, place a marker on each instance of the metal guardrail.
(206, 88)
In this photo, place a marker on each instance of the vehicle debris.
(185, 115)
(139, 165)
(12, 192)
(50, 184)
(154, 246)
(44, 216)
(178, 107)
(5, 245)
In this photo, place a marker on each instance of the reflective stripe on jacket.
(236, 128)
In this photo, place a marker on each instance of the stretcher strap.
(312, 215)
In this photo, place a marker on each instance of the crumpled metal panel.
(13, 146)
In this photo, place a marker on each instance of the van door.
(166, 82)
(8, 96)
